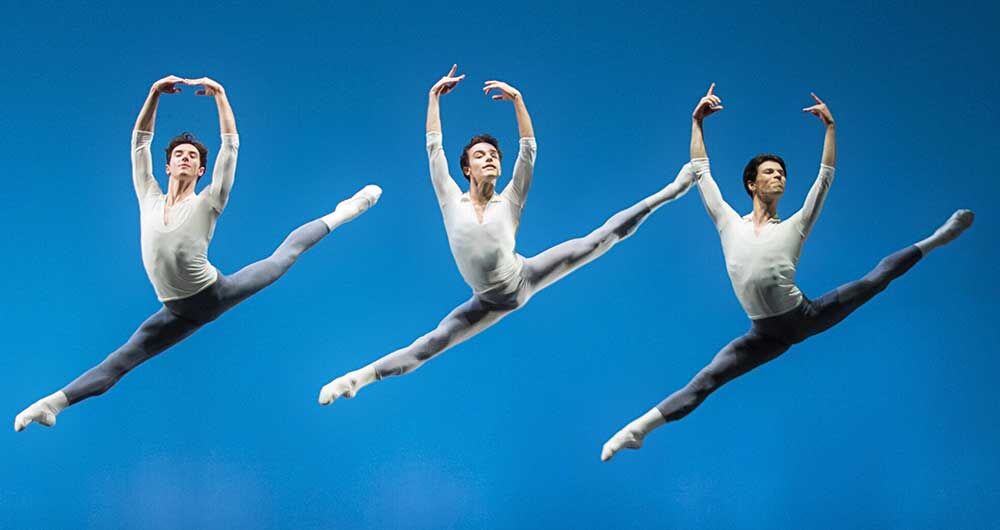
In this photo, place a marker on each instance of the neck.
(178, 189)
(764, 210)
(481, 191)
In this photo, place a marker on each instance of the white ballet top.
(484, 252)
(175, 255)
(762, 266)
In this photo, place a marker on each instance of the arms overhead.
(509, 93)
(142, 137)
(224, 172)
(706, 106)
(821, 111)
(817, 193)
(717, 208)
(442, 87)
(210, 87)
(444, 186)
(147, 116)
(520, 183)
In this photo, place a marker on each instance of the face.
(185, 162)
(484, 163)
(770, 183)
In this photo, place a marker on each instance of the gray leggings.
(485, 309)
(770, 337)
(178, 319)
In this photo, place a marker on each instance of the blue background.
(887, 421)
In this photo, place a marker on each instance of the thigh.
(549, 266)
(742, 355)
(472, 317)
(247, 282)
(161, 331)
(836, 305)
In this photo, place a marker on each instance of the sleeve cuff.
(700, 166)
(232, 139)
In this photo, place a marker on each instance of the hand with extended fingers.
(210, 87)
(447, 83)
(820, 110)
(707, 105)
(168, 85)
(506, 92)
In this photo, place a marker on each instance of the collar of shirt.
(749, 218)
(495, 198)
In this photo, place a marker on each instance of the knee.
(702, 385)
(433, 343)
(875, 283)
(286, 255)
(594, 244)
(624, 227)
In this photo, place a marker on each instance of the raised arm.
(520, 182)
(444, 186)
(717, 207)
(142, 137)
(224, 172)
(806, 217)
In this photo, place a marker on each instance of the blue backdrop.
(888, 421)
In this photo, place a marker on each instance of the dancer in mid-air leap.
(481, 226)
(176, 228)
(761, 252)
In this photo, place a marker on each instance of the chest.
(492, 220)
(745, 242)
(164, 217)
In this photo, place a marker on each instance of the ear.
(467, 171)
(167, 166)
(201, 171)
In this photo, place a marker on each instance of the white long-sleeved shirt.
(484, 252)
(175, 255)
(762, 266)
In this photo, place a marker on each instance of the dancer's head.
(764, 176)
(481, 158)
(186, 157)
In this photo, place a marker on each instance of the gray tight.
(770, 337)
(178, 319)
(485, 309)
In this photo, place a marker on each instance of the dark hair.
(750, 172)
(188, 138)
(479, 138)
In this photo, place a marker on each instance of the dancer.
(481, 227)
(761, 253)
(176, 228)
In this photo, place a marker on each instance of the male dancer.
(761, 252)
(176, 228)
(481, 226)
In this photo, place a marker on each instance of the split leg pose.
(481, 226)
(761, 253)
(176, 229)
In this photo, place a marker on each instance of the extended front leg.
(464, 322)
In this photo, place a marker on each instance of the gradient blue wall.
(889, 421)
